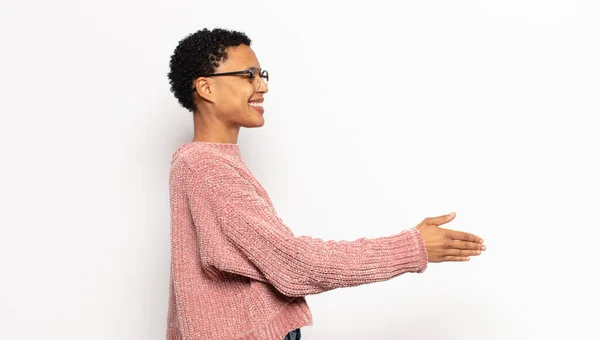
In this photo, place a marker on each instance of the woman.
(237, 271)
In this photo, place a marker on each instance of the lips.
(257, 104)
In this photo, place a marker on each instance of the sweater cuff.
(421, 248)
(416, 249)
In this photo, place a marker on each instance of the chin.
(258, 124)
(254, 124)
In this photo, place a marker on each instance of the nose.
(262, 86)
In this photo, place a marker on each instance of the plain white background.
(379, 114)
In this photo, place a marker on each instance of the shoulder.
(201, 159)
(207, 166)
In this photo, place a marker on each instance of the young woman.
(237, 270)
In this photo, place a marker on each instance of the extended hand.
(448, 245)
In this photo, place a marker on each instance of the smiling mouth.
(259, 104)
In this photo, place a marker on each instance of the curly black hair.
(198, 55)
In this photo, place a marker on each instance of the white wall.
(379, 114)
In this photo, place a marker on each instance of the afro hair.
(199, 54)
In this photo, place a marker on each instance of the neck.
(214, 131)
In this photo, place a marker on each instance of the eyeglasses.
(255, 75)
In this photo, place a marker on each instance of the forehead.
(239, 58)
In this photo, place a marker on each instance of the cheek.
(246, 95)
(236, 98)
(249, 92)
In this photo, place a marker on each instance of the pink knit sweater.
(238, 271)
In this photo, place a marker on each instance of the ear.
(205, 88)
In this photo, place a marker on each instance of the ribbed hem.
(173, 334)
(290, 317)
(293, 316)
(422, 250)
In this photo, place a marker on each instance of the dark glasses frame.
(262, 73)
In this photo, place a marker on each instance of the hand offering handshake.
(448, 245)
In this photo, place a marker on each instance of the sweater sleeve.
(297, 266)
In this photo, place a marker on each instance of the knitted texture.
(238, 271)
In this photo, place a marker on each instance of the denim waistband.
(293, 335)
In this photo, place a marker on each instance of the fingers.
(453, 251)
(437, 221)
(461, 252)
(464, 245)
(456, 258)
(461, 236)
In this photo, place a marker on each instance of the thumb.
(437, 221)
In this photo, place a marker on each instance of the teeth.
(256, 104)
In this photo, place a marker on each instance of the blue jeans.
(293, 335)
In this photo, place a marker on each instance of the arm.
(297, 266)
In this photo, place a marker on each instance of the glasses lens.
(259, 75)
